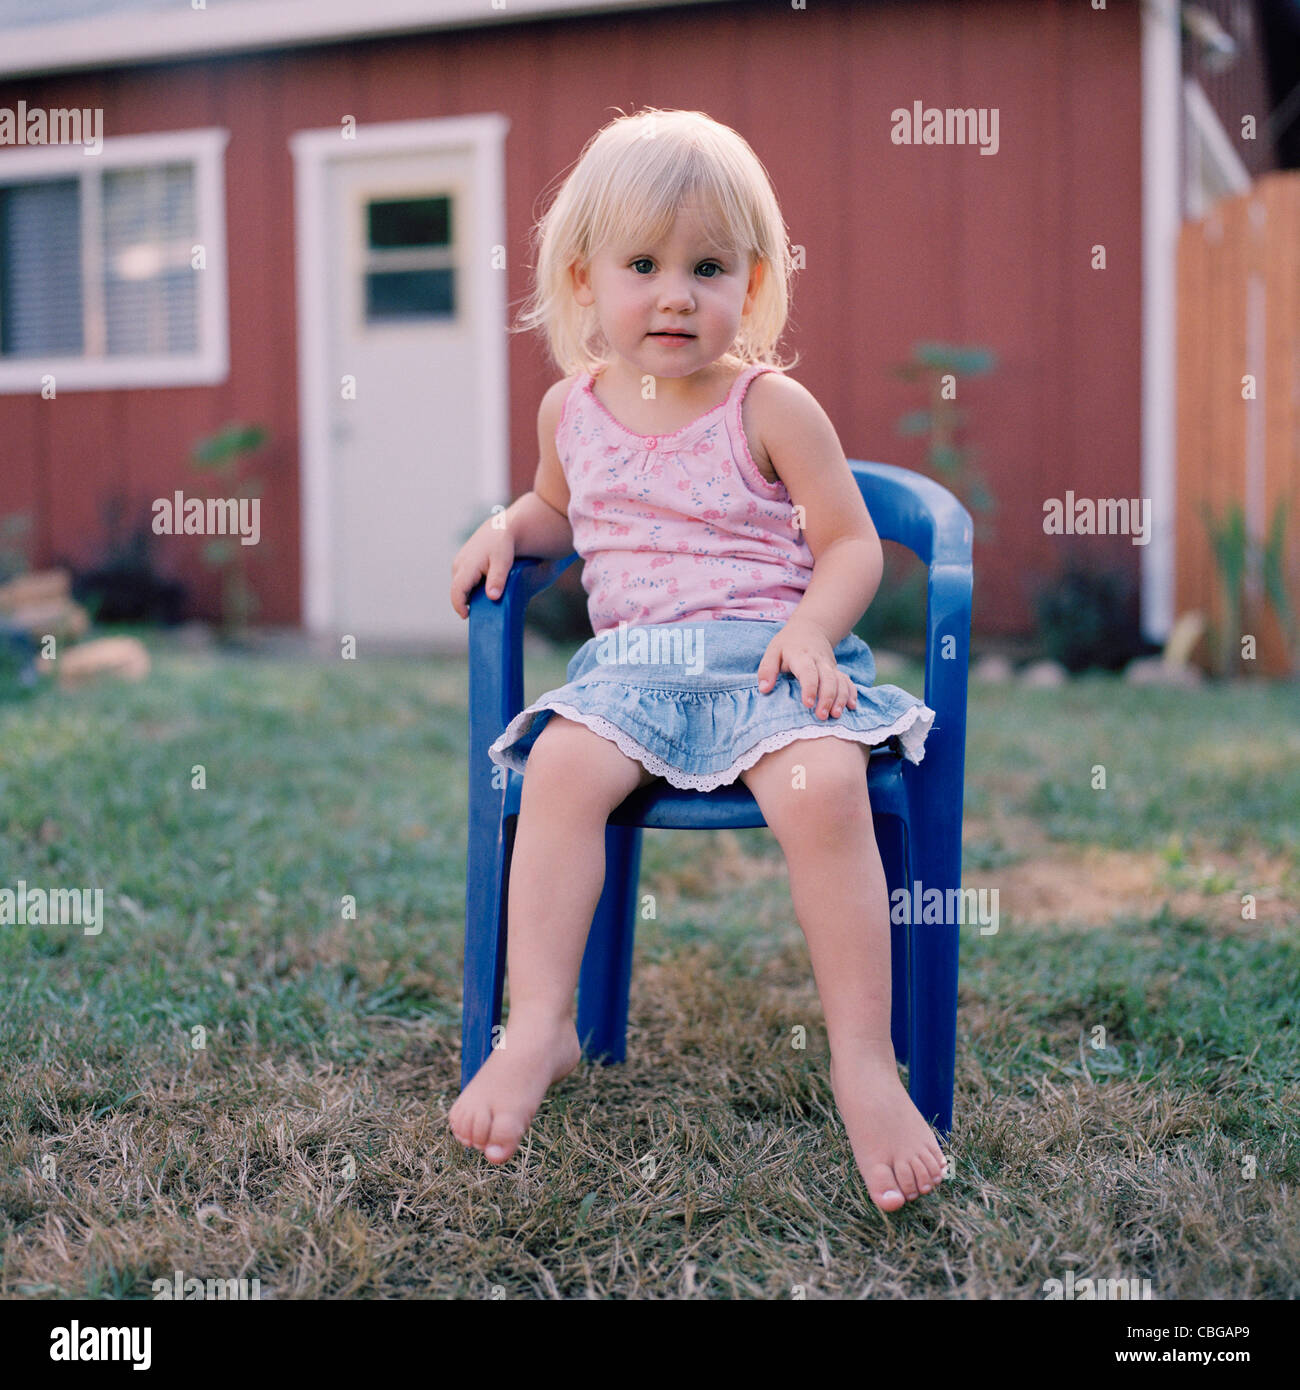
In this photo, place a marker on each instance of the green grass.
(1220, 764)
(306, 1143)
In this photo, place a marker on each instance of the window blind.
(41, 303)
(150, 290)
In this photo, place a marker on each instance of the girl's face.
(671, 309)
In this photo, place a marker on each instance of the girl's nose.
(676, 295)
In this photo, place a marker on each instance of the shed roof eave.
(124, 38)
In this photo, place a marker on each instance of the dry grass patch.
(711, 1164)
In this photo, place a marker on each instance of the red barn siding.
(902, 243)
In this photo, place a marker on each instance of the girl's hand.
(489, 553)
(805, 651)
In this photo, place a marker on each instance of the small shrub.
(125, 587)
(1088, 617)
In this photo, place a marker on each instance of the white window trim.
(208, 366)
(313, 151)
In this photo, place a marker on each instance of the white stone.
(992, 670)
(1155, 670)
(1044, 675)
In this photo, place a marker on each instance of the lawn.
(233, 1079)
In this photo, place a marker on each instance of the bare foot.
(499, 1103)
(896, 1151)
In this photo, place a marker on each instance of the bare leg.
(573, 780)
(837, 883)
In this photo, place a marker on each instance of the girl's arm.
(538, 521)
(535, 524)
(805, 451)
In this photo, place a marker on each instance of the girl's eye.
(646, 261)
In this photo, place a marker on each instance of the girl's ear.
(755, 280)
(580, 283)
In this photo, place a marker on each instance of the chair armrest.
(496, 645)
(947, 643)
(939, 779)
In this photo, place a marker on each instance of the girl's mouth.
(682, 336)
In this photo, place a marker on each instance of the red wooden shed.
(315, 217)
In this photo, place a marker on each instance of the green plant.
(13, 549)
(1274, 575)
(940, 365)
(18, 678)
(1238, 556)
(221, 453)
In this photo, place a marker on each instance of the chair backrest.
(915, 511)
(923, 515)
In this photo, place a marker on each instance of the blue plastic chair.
(917, 809)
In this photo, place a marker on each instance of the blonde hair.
(628, 184)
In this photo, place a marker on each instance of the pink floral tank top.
(677, 527)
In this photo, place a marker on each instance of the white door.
(408, 452)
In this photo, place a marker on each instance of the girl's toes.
(480, 1127)
(507, 1130)
(459, 1123)
(934, 1163)
(906, 1179)
(883, 1187)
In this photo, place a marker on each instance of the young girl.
(727, 554)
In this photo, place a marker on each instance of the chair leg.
(486, 883)
(606, 977)
(933, 960)
(891, 839)
(934, 1034)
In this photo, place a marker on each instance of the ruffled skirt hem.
(910, 729)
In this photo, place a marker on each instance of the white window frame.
(210, 364)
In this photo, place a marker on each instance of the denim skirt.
(682, 699)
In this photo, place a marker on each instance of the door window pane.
(410, 267)
(409, 294)
(410, 222)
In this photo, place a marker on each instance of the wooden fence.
(1239, 408)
